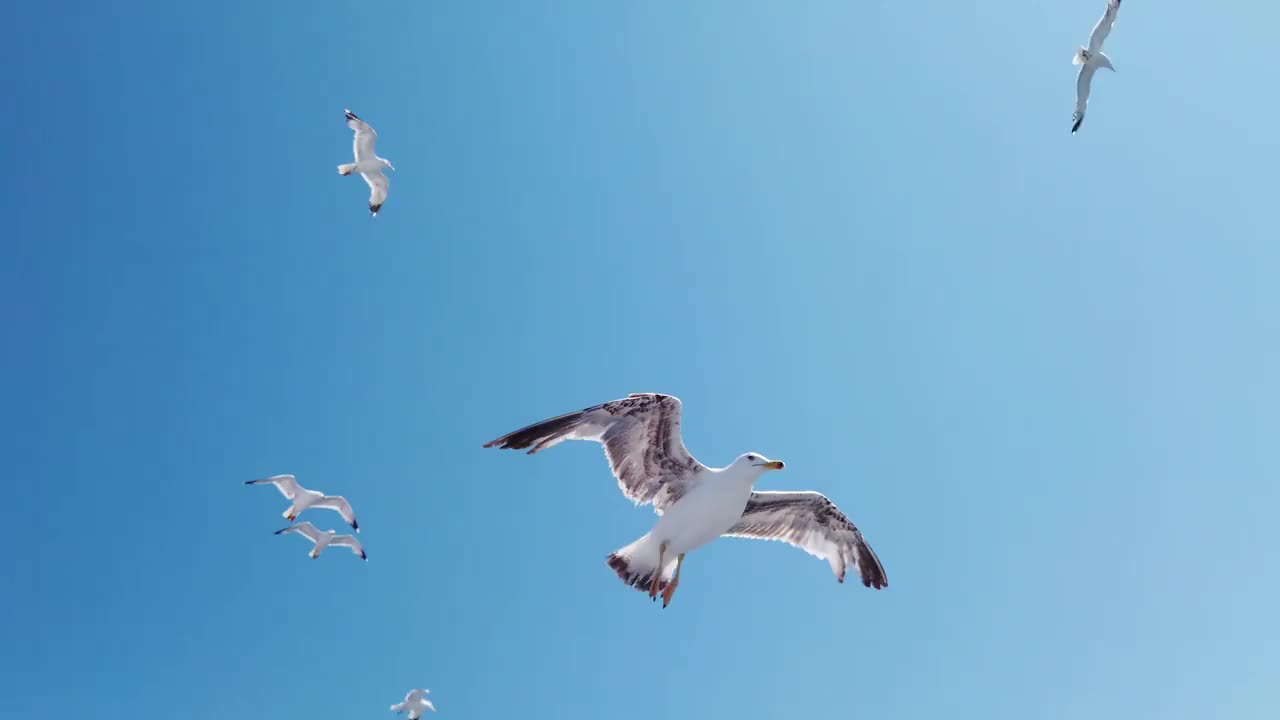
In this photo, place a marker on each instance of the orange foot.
(670, 591)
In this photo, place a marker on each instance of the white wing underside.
(339, 504)
(811, 522)
(306, 530)
(348, 541)
(365, 137)
(378, 185)
(1103, 28)
(286, 484)
(641, 439)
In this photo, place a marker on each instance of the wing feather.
(811, 522)
(641, 438)
(1103, 28)
(365, 137)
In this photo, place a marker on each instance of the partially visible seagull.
(367, 164)
(303, 498)
(415, 703)
(697, 504)
(324, 538)
(1090, 59)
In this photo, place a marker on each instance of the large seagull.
(697, 504)
(367, 163)
(1090, 59)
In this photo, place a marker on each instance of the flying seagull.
(1090, 59)
(324, 538)
(697, 504)
(415, 703)
(303, 498)
(367, 164)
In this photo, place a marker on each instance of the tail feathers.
(346, 169)
(637, 565)
(1080, 56)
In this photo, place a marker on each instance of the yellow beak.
(775, 465)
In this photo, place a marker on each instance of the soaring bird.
(303, 498)
(1090, 59)
(415, 703)
(324, 538)
(696, 503)
(367, 164)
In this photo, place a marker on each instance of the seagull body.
(1090, 59)
(303, 499)
(696, 503)
(367, 163)
(324, 538)
(415, 703)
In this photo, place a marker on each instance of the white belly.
(701, 516)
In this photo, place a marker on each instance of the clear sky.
(1037, 370)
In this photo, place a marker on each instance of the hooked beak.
(775, 465)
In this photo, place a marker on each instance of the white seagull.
(303, 498)
(415, 703)
(697, 504)
(367, 164)
(1090, 59)
(324, 538)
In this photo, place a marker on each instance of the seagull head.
(387, 164)
(758, 463)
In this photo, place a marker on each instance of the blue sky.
(1037, 370)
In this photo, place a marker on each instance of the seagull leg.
(657, 575)
(675, 581)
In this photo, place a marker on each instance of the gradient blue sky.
(1039, 371)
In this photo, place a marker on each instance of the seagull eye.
(751, 458)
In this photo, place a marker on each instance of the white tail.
(1079, 59)
(346, 169)
(637, 564)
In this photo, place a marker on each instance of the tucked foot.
(669, 592)
(657, 573)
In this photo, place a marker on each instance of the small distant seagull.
(303, 498)
(697, 504)
(1090, 59)
(367, 164)
(415, 703)
(324, 538)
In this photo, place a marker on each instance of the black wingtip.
(373, 209)
(281, 530)
(350, 115)
(355, 526)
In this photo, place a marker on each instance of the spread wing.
(339, 503)
(811, 522)
(641, 438)
(378, 185)
(351, 542)
(1083, 82)
(305, 529)
(1103, 28)
(286, 484)
(365, 137)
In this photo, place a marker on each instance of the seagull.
(415, 703)
(324, 538)
(1090, 59)
(303, 498)
(367, 164)
(696, 503)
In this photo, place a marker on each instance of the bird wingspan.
(641, 438)
(811, 522)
